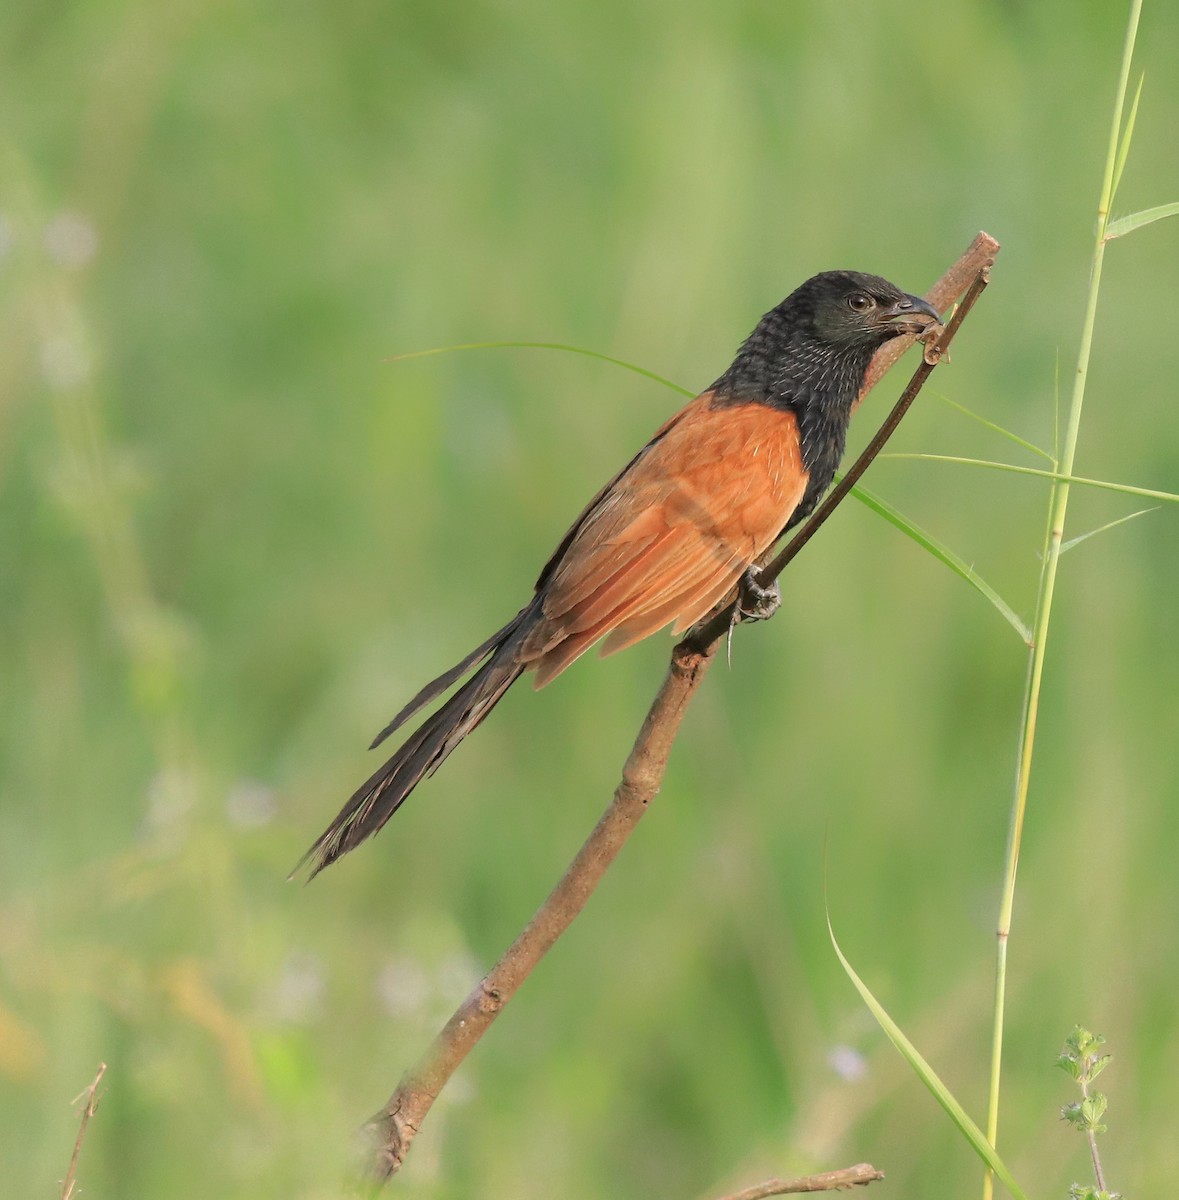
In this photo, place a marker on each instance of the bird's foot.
(754, 602)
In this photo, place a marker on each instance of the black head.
(848, 309)
(818, 342)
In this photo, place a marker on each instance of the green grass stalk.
(1058, 507)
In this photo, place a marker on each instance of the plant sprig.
(1082, 1058)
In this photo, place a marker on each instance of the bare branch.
(860, 1175)
(392, 1130)
(90, 1095)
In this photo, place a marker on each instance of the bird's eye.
(858, 302)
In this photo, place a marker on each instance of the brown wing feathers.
(673, 534)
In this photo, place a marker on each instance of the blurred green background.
(234, 539)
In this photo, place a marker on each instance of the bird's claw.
(754, 602)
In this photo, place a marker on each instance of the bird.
(677, 531)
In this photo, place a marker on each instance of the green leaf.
(1102, 528)
(1069, 1064)
(996, 428)
(618, 362)
(1124, 145)
(1093, 1108)
(1124, 488)
(1085, 1042)
(942, 1094)
(945, 555)
(1124, 225)
(1081, 1191)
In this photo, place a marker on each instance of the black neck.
(781, 367)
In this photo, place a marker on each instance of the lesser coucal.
(678, 528)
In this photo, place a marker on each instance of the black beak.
(911, 314)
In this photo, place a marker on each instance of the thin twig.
(392, 1130)
(90, 1095)
(953, 283)
(860, 1175)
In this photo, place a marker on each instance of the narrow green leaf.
(1124, 225)
(1124, 488)
(618, 362)
(942, 1094)
(1127, 136)
(1014, 437)
(945, 555)
(1102, 528)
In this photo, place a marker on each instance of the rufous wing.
(671, 535)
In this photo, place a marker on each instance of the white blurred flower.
(457, 975)
(298, 992)
(65, 359)
(849, 1064)
(71, 239)
(251, 804)
(404, 987)
(171, 795)
(460, 1090)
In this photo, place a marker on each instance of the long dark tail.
(424, 751)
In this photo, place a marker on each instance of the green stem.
(1058, 507)
(1091, 1138)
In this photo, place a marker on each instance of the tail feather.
(436, 687)
(424, 751)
